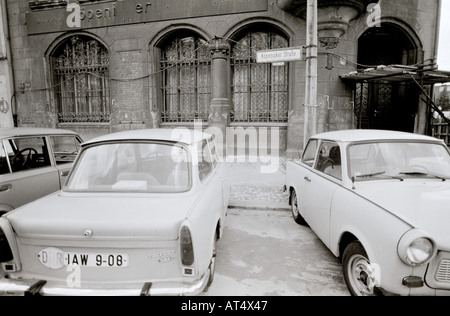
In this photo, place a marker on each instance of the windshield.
(131, 167)
(398, 160)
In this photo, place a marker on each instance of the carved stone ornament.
(334, 16)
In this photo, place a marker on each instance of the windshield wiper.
(369, 175)
(381, 173)
(418, 173)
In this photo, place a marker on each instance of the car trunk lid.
(66, 238)
(128, 216)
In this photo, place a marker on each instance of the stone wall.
(133, 59)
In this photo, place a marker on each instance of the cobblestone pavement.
(264, 196)
(252, 188)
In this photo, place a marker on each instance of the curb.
(258, 208)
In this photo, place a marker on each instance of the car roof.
(180, 135)
(7, 132)
(372, 135)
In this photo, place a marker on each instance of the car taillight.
(187, 249)
(5, 250)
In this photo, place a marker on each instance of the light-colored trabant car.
(34, 162)
(140, 214)
(379, 200)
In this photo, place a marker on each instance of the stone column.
(219, 115)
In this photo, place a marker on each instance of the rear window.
(132, 167)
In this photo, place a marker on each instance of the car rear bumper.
(11, 287)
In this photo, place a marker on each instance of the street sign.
(279, 55)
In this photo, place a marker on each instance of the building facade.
(6, 79)
(103, 66)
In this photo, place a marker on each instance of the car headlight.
(420, 251)
(416, 248)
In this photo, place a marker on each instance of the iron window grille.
(82, 87)
(260, 91)
(186, 79)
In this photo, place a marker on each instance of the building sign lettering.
(113, 13)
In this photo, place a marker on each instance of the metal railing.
(257, 116)
(183, 116)
(71, 117)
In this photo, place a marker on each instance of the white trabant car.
(140, 214)
(379, 200)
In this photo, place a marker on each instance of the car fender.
(377, 229)
(203, 218)
(11, 237)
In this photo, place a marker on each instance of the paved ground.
(265, 253)
(291, 261)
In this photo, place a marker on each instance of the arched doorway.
(386, 103)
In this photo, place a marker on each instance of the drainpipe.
(438, 26)
(9, 62)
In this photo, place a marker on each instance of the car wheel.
(212, 266)
(358, 272)
(295, 211)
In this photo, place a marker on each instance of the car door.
(323, 182)
(5, 187)
(64, 149)
(31, 174)
(303, 183)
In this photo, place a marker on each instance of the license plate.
(96, 259)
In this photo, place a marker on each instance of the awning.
(399, 73)
(421, 76)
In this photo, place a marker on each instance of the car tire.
(358, 272)
(212, 266)
(295, 211)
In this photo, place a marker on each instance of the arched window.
(186, 78)
(80, 66)
(260, 91)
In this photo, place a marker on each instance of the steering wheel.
(25, 160)
(419, 168)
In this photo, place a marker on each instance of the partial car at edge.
(34, 162)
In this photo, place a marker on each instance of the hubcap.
(361, 275)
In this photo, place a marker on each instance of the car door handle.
(5, 187)
(307, 179)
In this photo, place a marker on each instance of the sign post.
(310, 120)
